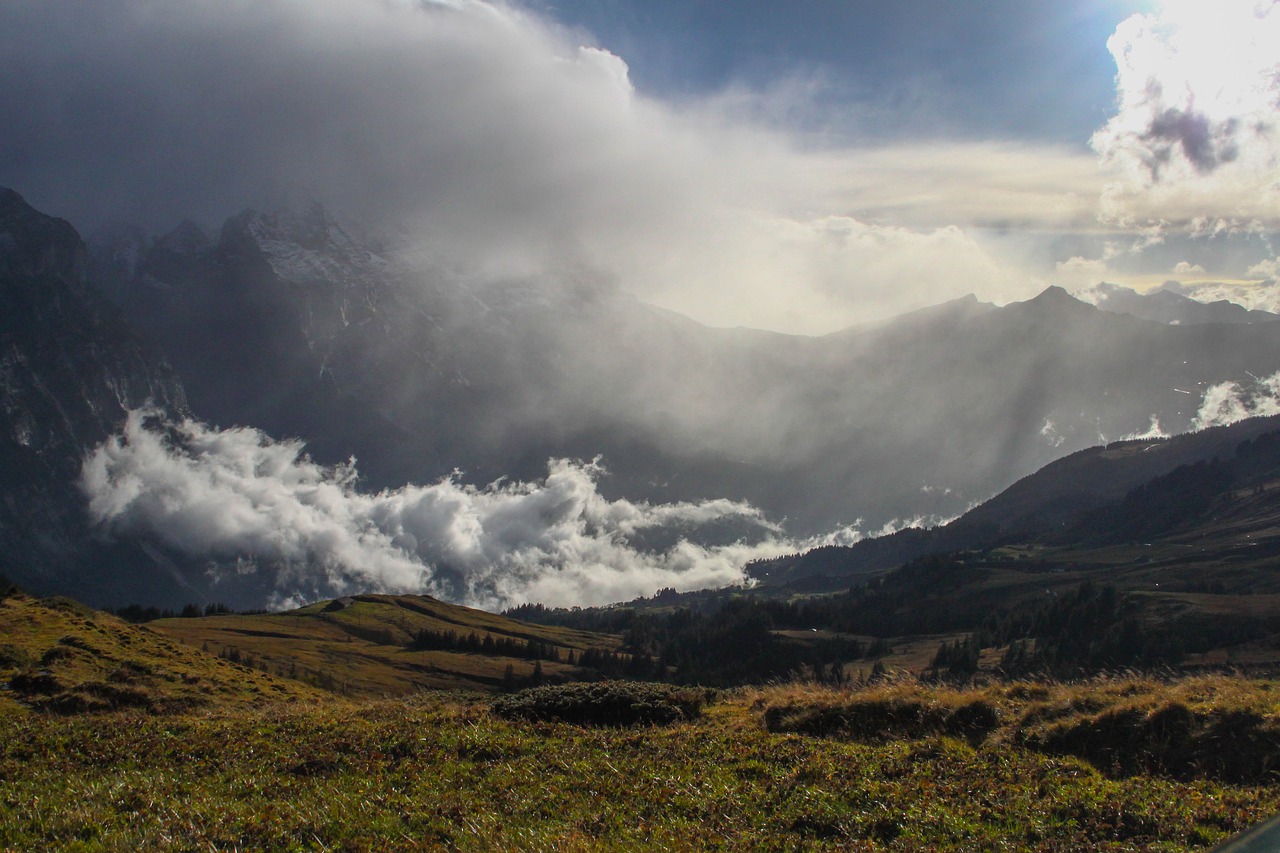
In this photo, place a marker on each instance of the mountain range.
(289, 323)
(296, 325)
(1167, 305)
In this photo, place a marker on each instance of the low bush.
(880, 717)
(604, 703)
(1230, 745)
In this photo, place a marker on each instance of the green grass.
(441, 771)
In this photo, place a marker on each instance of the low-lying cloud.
(1229, 402)
(242, 499)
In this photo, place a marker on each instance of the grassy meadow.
(124, 737)
(791, 767)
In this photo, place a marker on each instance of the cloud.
(1153, 430)
(496, 142)
(1228, 402)
(1255, 295)
(846, 261)
(1197, 129)
(241, 498)
(1268, 269)
(499, 143)
(1082, 275)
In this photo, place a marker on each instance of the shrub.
(881, 717)
(604, 703)
(1236, 746)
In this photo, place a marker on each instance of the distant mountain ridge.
(292, 324)
(1169, 306)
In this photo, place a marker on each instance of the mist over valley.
(466, 298)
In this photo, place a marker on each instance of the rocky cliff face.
(70, 368)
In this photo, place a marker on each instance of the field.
(894, 767)
(116, 736)
(363, 649)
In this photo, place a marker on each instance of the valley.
(593, 425)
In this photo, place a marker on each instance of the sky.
(800, 167)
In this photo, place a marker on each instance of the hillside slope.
(374, 645)
(1054, 498)
(58, 655)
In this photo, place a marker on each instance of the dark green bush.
(604, 703)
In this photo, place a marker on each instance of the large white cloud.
(237, 495)
(1229, 402)
(1191, 155)
(1197, 129)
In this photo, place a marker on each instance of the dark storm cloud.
(496, 142)
(1204, 146)
(153, 111)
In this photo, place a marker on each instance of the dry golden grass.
(439, 772)
(58, 655)
(362, 650)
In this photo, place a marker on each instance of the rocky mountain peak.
(33, 245)
(305, 246)
(187, 239)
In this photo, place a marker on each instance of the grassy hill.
(185, 748)
(364, 645)
(58, 655)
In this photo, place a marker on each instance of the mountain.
(293, 324)
(1178, 571)
(297, 325)
(1049, 504)
(1111, 566)
(1165, 305)
(70, 369)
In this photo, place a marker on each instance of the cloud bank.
(240, 498)
(500, 143)
(1197, 129)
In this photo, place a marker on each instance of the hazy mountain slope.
(1057, 498)
(974, 404)
(70, 368)
(291, 324)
